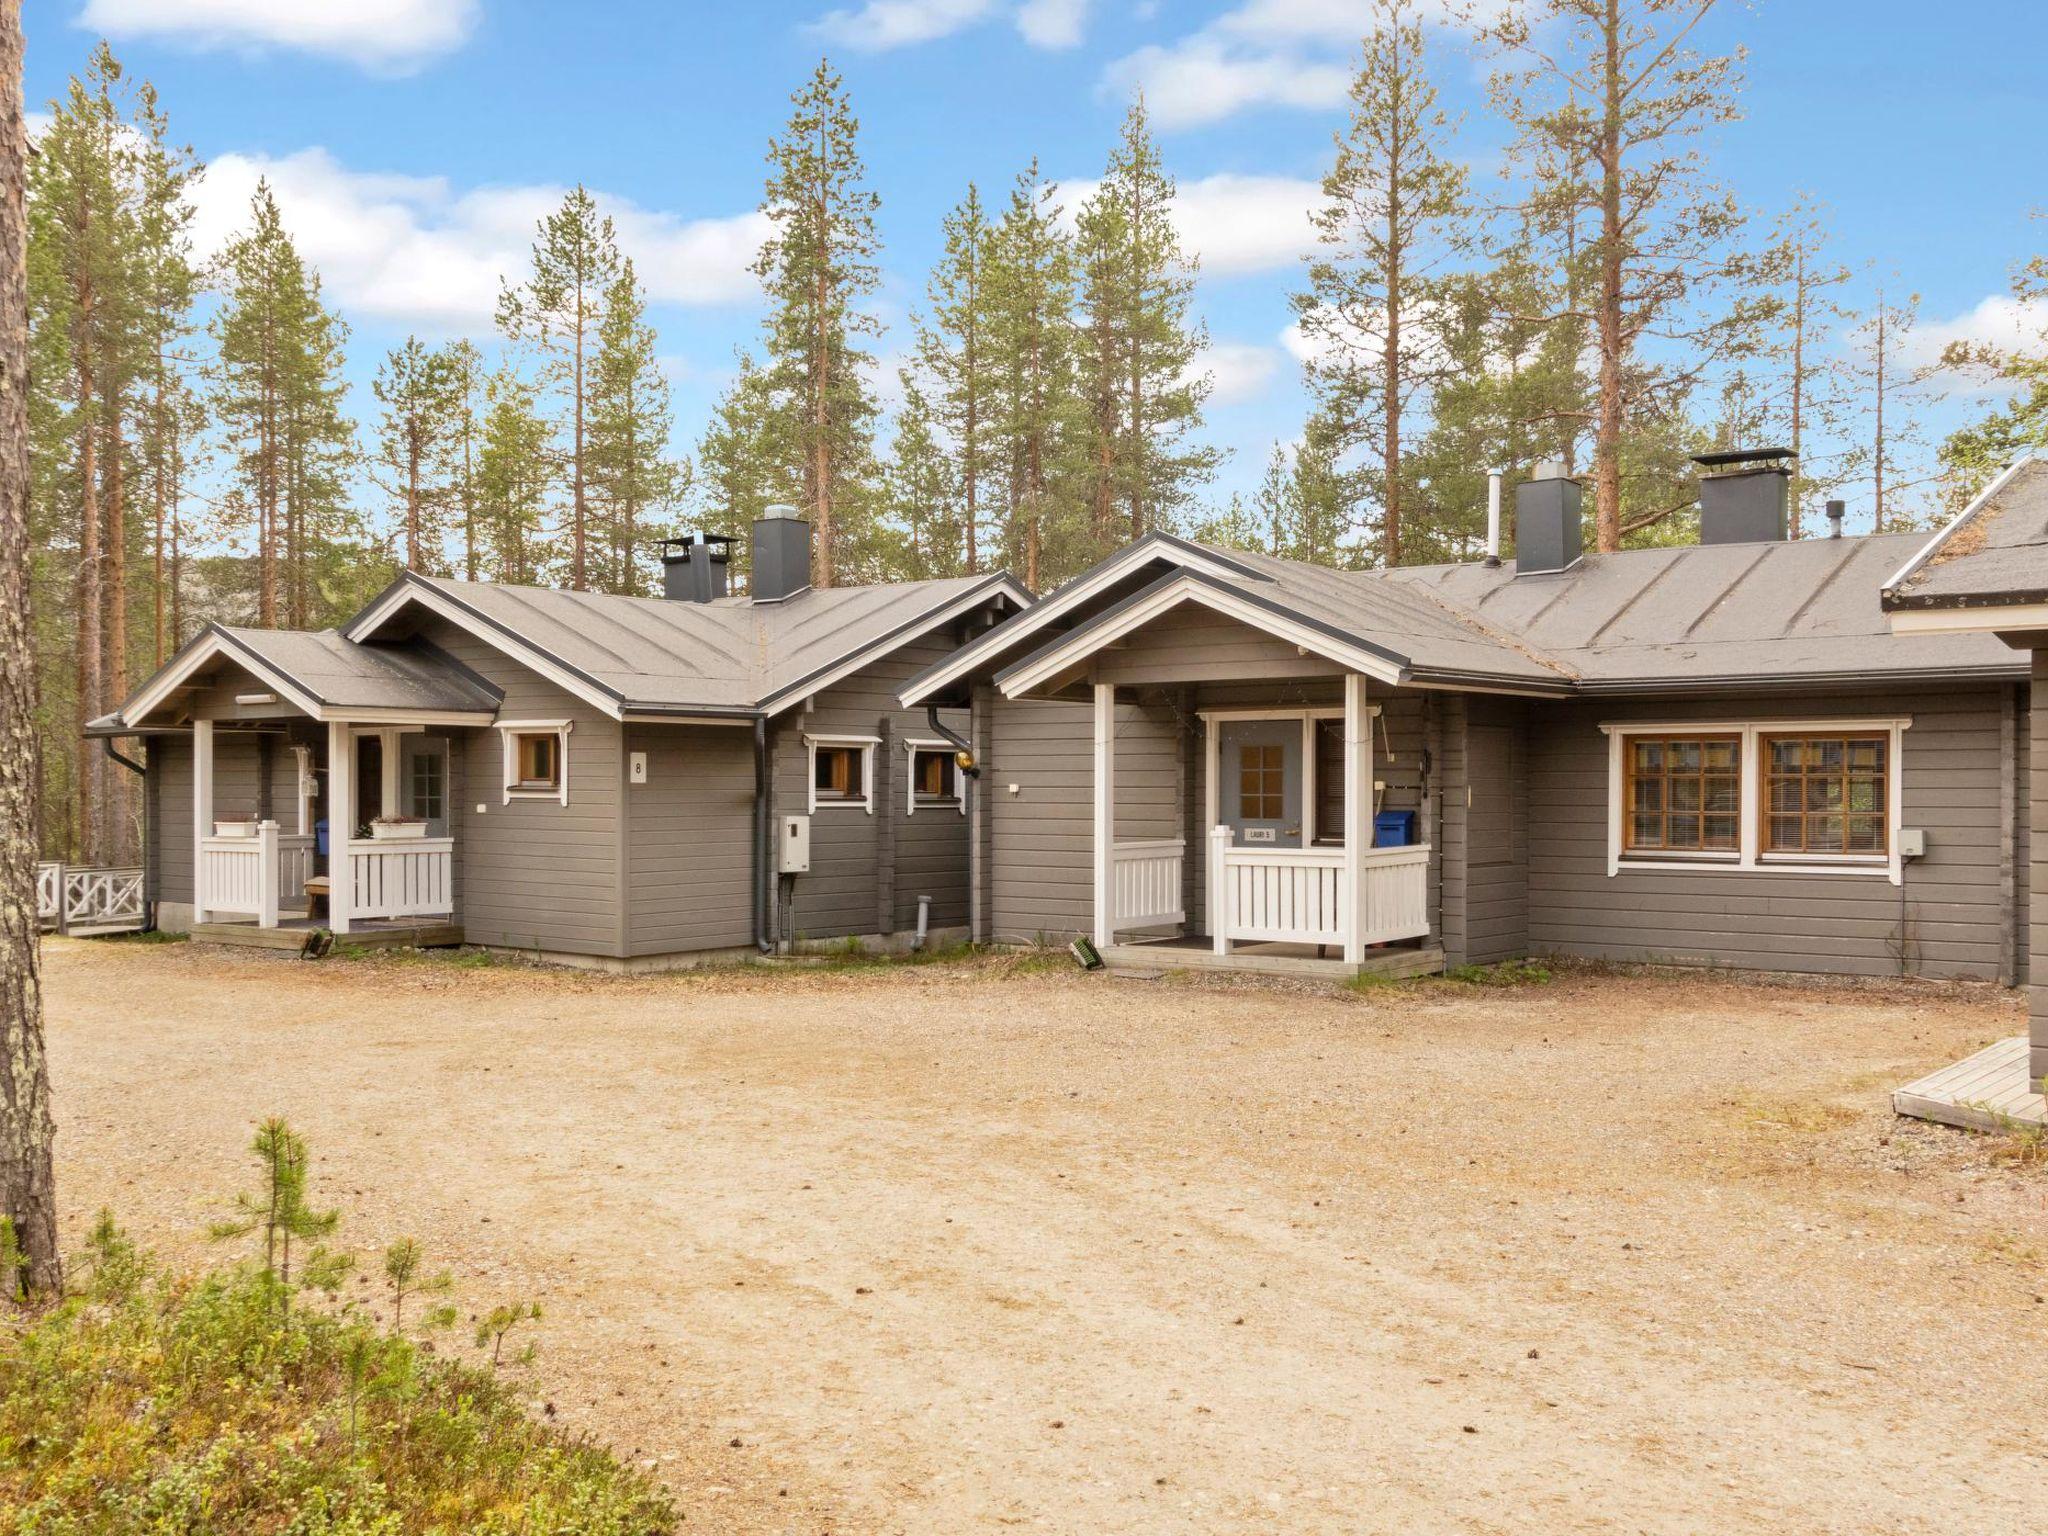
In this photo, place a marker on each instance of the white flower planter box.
(235, 828)
(393, 831)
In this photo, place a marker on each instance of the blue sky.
(413, 142)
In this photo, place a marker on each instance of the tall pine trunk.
(120, 831)
(28, 1196)
(89, 778)
(1607, 436)
(579, 577)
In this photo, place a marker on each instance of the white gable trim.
(212, 646)
(1041, 613)
(406, 593)
(803, 688)
(1086, 642)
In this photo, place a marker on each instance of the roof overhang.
(210, 645)
(1178, 589)
(1895, 601)
(977, 654)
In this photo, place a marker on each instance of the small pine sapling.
(499, 1321)
(280, 1212)
(402, 1261)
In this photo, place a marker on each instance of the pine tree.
(1610, 105)
(1138, 347)
(1973, 455)
(1395, 200)
(954, 349)
(514, 471)
(738, 472)
(417, 441)
(925, 495)
(559, 309)
(1810, 394)
(466, 379)
(631, 475)
(817, 269)
(1881, 344)
(1030, 352)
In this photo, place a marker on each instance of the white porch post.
(1357, 812)
(341, 820)
(1219, 887)
(1105, 814)
(202, 811)
(266, 874)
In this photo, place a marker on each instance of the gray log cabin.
(1711, 755)
(609, 781)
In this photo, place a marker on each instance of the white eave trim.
(213, 646)
(1041, 613)
(1978, 502)
(1099, 635)
(462, 617)
(1969, 621)
(795, 693)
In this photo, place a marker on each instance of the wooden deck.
(1298, 960)
(367, 933)
(1985, 1092)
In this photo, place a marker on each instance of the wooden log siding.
(237, 789)
(839, 897)
(535, 874)
(689, 839)
(1785, 921)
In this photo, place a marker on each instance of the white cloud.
(1238, 370)
(1235, 224)
(414, 250)
(1264, 53)
(876, 26)
(1999, 321)
(388, 36)
(1052, 23)
(1204, 79)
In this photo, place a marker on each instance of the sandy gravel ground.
(954, 1250)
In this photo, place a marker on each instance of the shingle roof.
(344, 675)
(1995, 553)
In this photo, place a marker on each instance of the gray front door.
(423, 780)
(1259, 765)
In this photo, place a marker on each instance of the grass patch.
(2014, 1141)
(153, 936)
(1508, 973)
(1806, 1116)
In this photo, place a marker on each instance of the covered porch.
(1290, 868)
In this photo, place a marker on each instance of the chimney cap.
(780, 509)
(1549, 469)
(1730, 458)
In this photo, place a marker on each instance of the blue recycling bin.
(1393, 829)
(320, 836)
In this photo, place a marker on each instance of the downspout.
(954, 739)
(114, 752)
(764, 851)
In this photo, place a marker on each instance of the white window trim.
(911, 747)
(508, 730)
(867, 745)
(1749, 858)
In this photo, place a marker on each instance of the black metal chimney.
(1745, 496)
(781, 555)
(693, 569)
(1548, 532)
(1836, 511)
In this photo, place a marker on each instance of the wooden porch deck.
(363, 933)
(1985, 1092)
(1195, 953)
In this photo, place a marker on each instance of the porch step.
(425, 934)
(1261, 960)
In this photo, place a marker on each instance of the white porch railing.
(1394, 893)
(1284, 894)
(49, 894)
(294, 868)
(94, 900)
(1297, 895)
(238, 875)
(403, 877)
(1146, 877)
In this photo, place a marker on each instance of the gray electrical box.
(794, 847)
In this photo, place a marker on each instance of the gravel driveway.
(957, 1248)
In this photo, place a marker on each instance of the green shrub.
(156, 1403)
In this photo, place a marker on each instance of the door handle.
(1290, 831)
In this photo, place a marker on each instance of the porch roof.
(1992, 554)
(314, 672)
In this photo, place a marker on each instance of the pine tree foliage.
(417, 390)
(1972, 456)
(957, 356)
(633, 481)
(516, 472)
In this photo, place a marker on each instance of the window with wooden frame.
(1826, 795)
(536, 759)
(840, 771)
(1262, 781)
(1683, 794)
(935, 778)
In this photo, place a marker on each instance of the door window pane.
(1262, 781)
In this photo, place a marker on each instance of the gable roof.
(1994, 553)
(319, 672)
(643, 655)
(1776, 614)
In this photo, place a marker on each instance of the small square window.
(934, 774)
(836, 773)
(538, 760)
